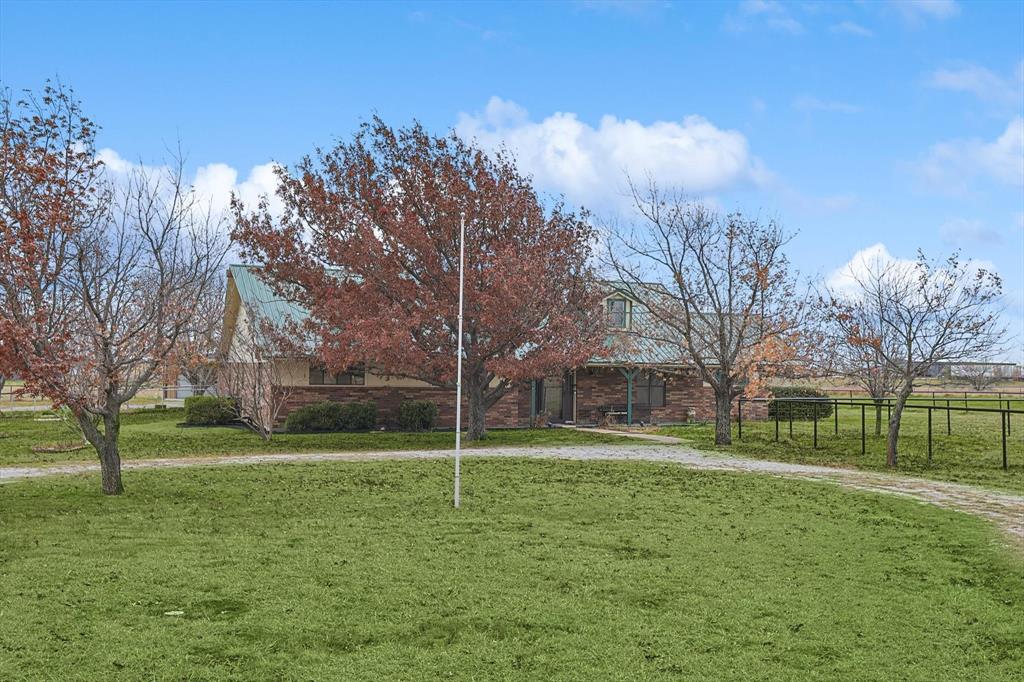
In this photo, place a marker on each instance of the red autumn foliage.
(369, 243)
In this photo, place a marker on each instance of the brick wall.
(598, 387)
(508, 411)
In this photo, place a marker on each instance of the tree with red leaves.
(99, 276)
(368, 242)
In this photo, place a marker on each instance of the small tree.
(719, 288)
(252, 371)
(857, 362)
(197, 354)
(911, 317)
(100, 275)
(979, 375)
(369, 244)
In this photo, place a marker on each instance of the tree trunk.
(892, 440)
(723, 416)
(878, 417)
(477, 410)
(106, 447)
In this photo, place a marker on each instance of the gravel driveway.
(1006, 510)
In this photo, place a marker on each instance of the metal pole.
(835, 413)
(1008, 418)
(777, 406)
(1004, 417)
(863, 437)
(949, 421)
(929, 436)
(739, 418)
(458, 372)
(815, 413)
(790, 420)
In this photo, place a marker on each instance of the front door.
(555, 397)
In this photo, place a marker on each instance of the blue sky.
(856, 124)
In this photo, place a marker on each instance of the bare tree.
(254, 369)
(859, 363)
(197, 355)
(979, 375)
(911, 317)
(718, 288)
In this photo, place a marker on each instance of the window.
(617, 315)
(318, 376)
(649, 390)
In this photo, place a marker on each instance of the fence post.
(835, 413)
(1008, 418)
(863, 437)
(790, 419)
(929, 436)
(1004, 417)
(776, 422)
(815, 413)
(949, 422)
(739, 418)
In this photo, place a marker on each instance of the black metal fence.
(943, 405)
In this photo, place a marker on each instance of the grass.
(972, 454)
(156, 433)
(552, 570)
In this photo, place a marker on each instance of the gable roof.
(258, 298)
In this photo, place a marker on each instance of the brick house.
(635, 381)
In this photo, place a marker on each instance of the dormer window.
(618, 315)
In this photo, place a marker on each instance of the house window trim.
(627, 310)
(648, 385)
(355, 376)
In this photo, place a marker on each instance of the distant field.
(972, 454)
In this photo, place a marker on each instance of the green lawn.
(972, 454)
(157, 433)
(553, 570)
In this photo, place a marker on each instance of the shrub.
(360, 415)
(332, 416)
(322, 416)
(209, 410)
(417, 415)
(802, 410)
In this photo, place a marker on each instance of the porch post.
(533, 403)
(630, 374)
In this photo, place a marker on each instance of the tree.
(100, 275)
(717, 287)
(197, 354)
(252, 371)
(369, 243)
(858, 362)
(910, 317)
(979, 375)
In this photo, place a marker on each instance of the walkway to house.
(1004, 509)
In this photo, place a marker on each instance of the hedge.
(417, 415)
(332, 416)
(209, 410)
(802, 410)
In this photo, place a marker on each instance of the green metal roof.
(260, 299)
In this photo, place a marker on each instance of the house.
(638, 379)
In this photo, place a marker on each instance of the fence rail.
(864, 403)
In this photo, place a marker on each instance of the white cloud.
(752, 13)
(961, 231)
(954, 164)
(809, 103)
(982, 83)
(587, 164)
(917, 10)
(851, 28)
(877, 258)
(213, 183)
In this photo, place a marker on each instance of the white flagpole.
(458, 372)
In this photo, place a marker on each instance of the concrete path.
(1006, 510)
